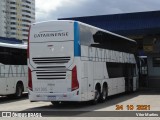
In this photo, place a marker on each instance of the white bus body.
(66, 63)
(13, 69)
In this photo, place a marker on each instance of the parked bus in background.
(73, 61)
(13, 69)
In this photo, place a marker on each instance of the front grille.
(51, 75)
(51, 60)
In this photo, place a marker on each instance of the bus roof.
(18, 46)
(110, 34)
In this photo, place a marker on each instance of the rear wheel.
(97, 96)
(19, 90)
(103, 96)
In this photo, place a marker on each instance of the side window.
(4, 55)
(115, 69)
(96, 38)
(120, 70)
(13, 56)
(86, 35)
(112, 42)
(19, 56)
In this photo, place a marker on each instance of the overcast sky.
(53, 9)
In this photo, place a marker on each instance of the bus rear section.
(52, 66)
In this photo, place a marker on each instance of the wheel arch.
(20, 82)
(97, 84)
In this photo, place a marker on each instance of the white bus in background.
(13, 69)
(73, 61)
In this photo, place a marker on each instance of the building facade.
(16, 17)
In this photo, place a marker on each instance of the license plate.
(51, 97)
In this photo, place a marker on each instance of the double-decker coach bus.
(73, 61)
(13, 69)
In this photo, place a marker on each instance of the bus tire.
(104, 93)
(97, 95)
(19, 90)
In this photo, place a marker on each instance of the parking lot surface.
(144, 97)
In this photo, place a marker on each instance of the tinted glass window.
(13, 56)
(92, 37)
(120, 69)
